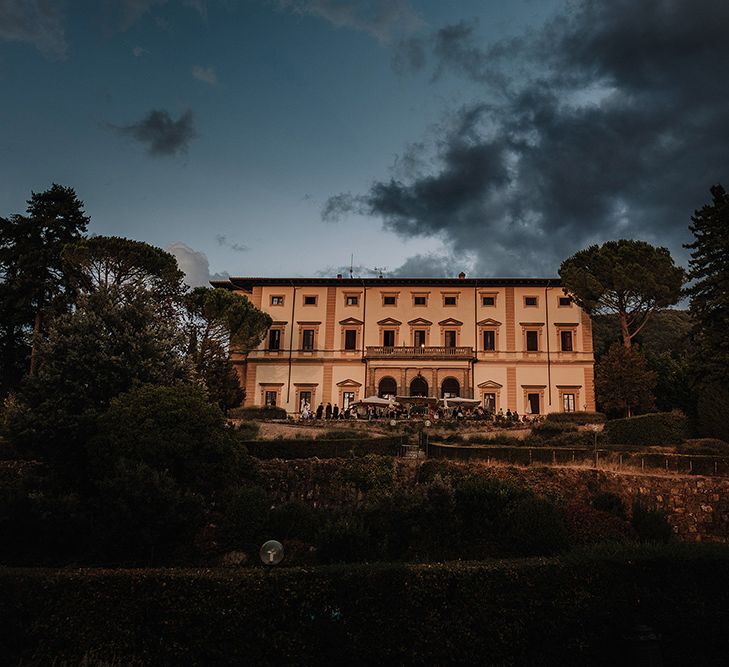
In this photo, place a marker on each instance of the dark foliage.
(661, 428)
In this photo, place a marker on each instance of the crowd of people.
(397, 411)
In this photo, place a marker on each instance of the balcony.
(422, 352)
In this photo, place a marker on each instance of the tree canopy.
(630, 278)
(624, 383)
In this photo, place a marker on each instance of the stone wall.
(696, 507)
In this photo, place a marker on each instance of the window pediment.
(349, 383)
(420, 322)
(490, 384)
(310, 324)
(450, 322)
(488, 322)
(351, 321)
(389, 321)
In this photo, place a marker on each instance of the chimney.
(339, 275)
(461, 275)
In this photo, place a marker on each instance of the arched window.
(418, 386)
(387, 387)
(450, 388)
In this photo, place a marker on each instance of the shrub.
(481, 502)
(536, 528)
(371, 472)
(247, 430)
(258, 412)
(579, 418)
(610, 503)
(650, 525)
(660, 428)
(547, 428)
(293, 520)
(343, 434)
(171, 430)
(323, 449)
(344, 538)
(705, 446)
(245, 514)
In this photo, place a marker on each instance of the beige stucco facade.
(513, 343)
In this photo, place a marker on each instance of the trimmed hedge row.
(576, 610)
(323, 449)
(660, 428)
(578, 418)
(257, 412)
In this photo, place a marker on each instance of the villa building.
(512, 343)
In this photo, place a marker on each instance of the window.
(304, 397)
(310, 300)
(350, 339)
(488, 300)
(533, 404)
(271, 398)
(419, 337)
(274, 339)
(277, 301)
(389, 300)
(531, 301)
(420, 300)
(489, 403)
(565, 338)
(450, 338)
(388, 337)
(489, 341)
(352, 300)
(568, 402)
(307, 339)
(565, 301)
(532, 341)
(450, 300)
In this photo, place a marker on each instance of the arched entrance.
(387, 387)
(450, 388)
(418, 386)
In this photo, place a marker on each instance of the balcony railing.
(420, 352)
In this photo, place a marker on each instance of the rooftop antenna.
(379, 270)
(351, 266)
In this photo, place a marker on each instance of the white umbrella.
(376, 401)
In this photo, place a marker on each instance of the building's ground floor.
(527, 387)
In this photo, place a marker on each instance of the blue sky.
(279, 137)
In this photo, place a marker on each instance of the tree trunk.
(36, 341)
(624, 329)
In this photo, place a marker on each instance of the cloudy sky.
(281, 137)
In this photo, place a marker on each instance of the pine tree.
(709, 292)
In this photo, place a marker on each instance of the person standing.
(335, 411)
(328, 411)
(320, 411)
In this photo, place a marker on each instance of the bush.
(293, 521)
(660, 428)
(712, 446)
(481, 503)
(610, 503)
(650, 525)
(171, 430)
(547, 428)
(343, 434)
(578, 418)
(247, 430)
(371, 472)
(258, 412)
(323, 449)
(344, 538)
(245, 513)
(536, 528)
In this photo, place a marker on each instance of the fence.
(685, 464)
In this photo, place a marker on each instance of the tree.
(624, 382)
(102, 348)
(124, 267)
(221, 323)
(630, 278)
(709, 292)
(31, 269)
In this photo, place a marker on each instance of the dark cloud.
(385, 20)
(161, 134)
(237, 247)
(615, 127)
(37, 22)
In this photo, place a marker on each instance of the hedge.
(257, 412)
(578, 418)
(660, 428)
(582, 609)
(323, 449)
